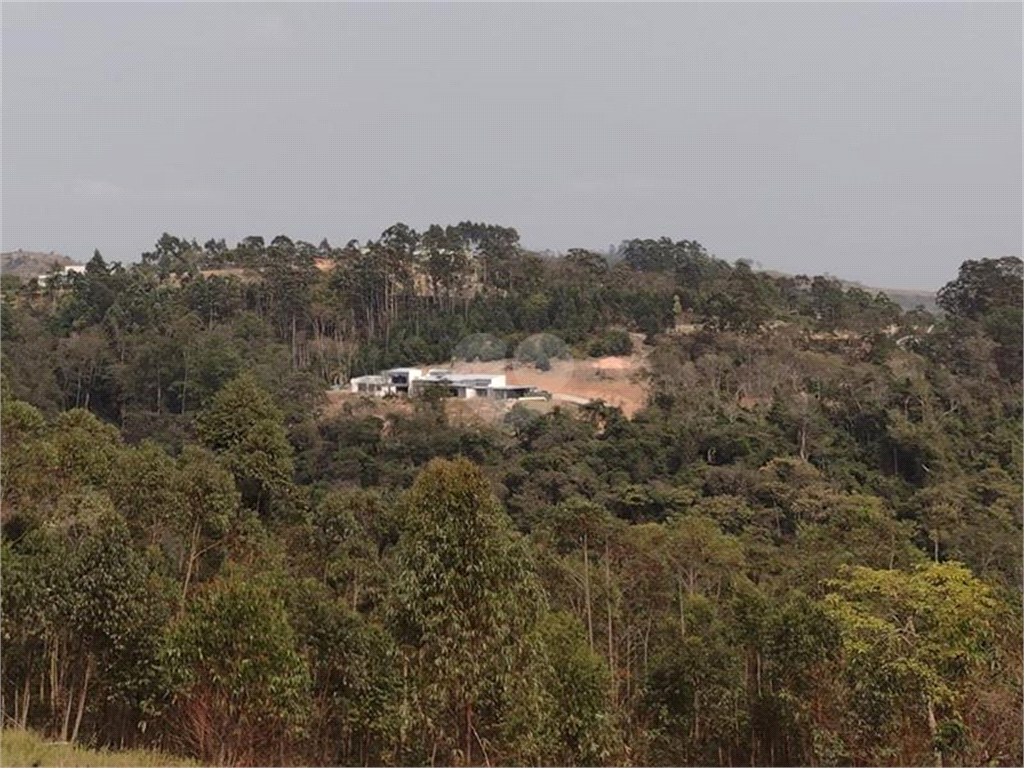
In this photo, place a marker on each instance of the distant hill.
(907, 298)
(29, 264)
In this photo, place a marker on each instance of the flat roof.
(371, 379)
(464, 379)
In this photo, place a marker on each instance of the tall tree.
(243, 425)
(465, 600)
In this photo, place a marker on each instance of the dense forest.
(805, 549)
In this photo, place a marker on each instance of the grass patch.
(25, 748)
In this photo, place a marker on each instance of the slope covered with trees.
(806, 549)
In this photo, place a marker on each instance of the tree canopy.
(805, 548)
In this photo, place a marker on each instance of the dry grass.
(25, 748)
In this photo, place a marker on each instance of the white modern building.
(413, 382)
(463, 385)
(71, 269)
(395, 381)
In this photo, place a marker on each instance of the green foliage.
(984, 286)
(77, 600)
(86, 448)
(355, 674)
(573, 680)
(236, 677)
(735, 572)
(614, 342)
(464, 601)
(909, 641)
(243, 426)
(990, 292)
(540, 348)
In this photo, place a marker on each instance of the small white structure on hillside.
(70, 269)
(367, 385)
(395, 381)
(463, 385)
(413, 382)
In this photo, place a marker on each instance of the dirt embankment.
(615, 380)
(618, 381)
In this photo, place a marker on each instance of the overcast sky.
(877, 142)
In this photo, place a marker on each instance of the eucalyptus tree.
(237, 683)
(909, 643)
(465, 602)
(243, 426)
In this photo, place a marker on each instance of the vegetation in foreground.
(805, 549)
(25, 748)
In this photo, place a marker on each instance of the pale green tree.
(909, 642)
(465, 602)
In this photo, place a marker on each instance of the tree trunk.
(608, 601)
(629, 660)
(586, 592)
(933, 729)
(293, 342)
(682, 615)
(191, 563)
(26, 698)
(67, 717)
(184, 386)
(468, 757)
(647, 646)
(54, 682)
(696, 716)
(81, 697)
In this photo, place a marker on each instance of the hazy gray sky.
(877, 142)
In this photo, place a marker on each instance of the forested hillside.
(806, 548)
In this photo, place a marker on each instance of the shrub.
(614, 342)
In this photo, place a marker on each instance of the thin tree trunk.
(608, 601)
(81, 698)
(184, 387)
(26, 700)
(682, 615)
(191, 563)
(54, 683)
(586, 591)
(933, 729)
(67, 717)
(647, 645)
(757, 668)
(696, 716)
(629, 660)
(468, 757)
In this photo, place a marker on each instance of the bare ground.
(618, 381)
